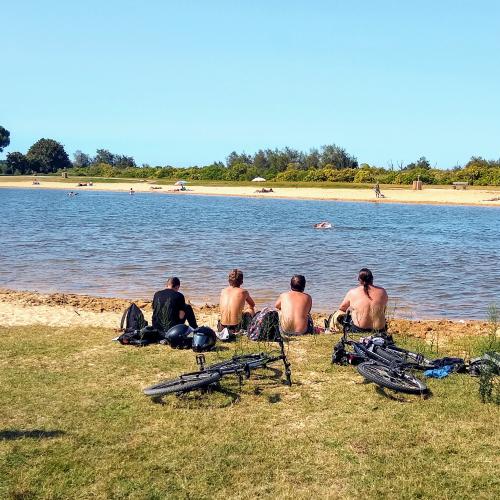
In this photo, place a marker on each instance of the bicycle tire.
(388, 377)
(184, 383)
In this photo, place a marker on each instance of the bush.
(365, 175)
(292, 175)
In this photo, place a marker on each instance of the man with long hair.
(366, 303)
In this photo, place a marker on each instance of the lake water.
(434, 261)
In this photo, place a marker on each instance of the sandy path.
(392, 195)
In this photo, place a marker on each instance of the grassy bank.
(74, 424)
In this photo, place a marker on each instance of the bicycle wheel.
(395, 379)
(184, 383)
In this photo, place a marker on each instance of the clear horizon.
(186, 84)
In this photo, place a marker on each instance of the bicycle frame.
(363, 352)
(234, 365)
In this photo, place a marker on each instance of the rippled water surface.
(435, 261)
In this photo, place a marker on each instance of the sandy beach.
(429, 195)
(24, 308)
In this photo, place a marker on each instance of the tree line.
(330, 163)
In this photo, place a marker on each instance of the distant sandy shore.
(429, 195)
(23, 308)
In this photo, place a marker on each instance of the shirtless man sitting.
(366, 304)
(295, 307)
(232, 304)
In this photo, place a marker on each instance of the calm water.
(435, 261)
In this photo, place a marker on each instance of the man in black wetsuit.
(170, 308)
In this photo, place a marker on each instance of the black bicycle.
(380, 361)
(210, 375)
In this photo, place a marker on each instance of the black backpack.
(136, 329)
(132, 319)
(145, 336)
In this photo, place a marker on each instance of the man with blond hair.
(232, 302)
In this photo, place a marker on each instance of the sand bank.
(429, 195)
(71, 310)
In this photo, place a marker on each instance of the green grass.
(75, 424)
(70, 180)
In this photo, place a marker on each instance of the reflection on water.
(435, 261)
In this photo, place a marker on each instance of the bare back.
(295, 308)
(367, 311)
(232, 302)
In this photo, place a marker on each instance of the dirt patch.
(65, 309)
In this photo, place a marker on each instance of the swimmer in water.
(132, 191)
(322, 225)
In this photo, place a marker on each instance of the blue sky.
(187, 82)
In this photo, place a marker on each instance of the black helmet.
(179, 337)
(204, 339)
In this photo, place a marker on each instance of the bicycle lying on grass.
(209, 376)
(380, 361)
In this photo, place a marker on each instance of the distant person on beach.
(376, 188)
(367, 304)
(170, 308)
(295, 307)
(232, 302)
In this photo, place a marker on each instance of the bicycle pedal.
(200, 361)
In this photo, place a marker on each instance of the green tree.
(238, 171)
(234, 158)
(421, 163)
(261, 161)
(337, 157)
(123, 161)
(104, 156)
(17, 164)
(47, 155)
(312, 159)
(4, 138)
(81, 160)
